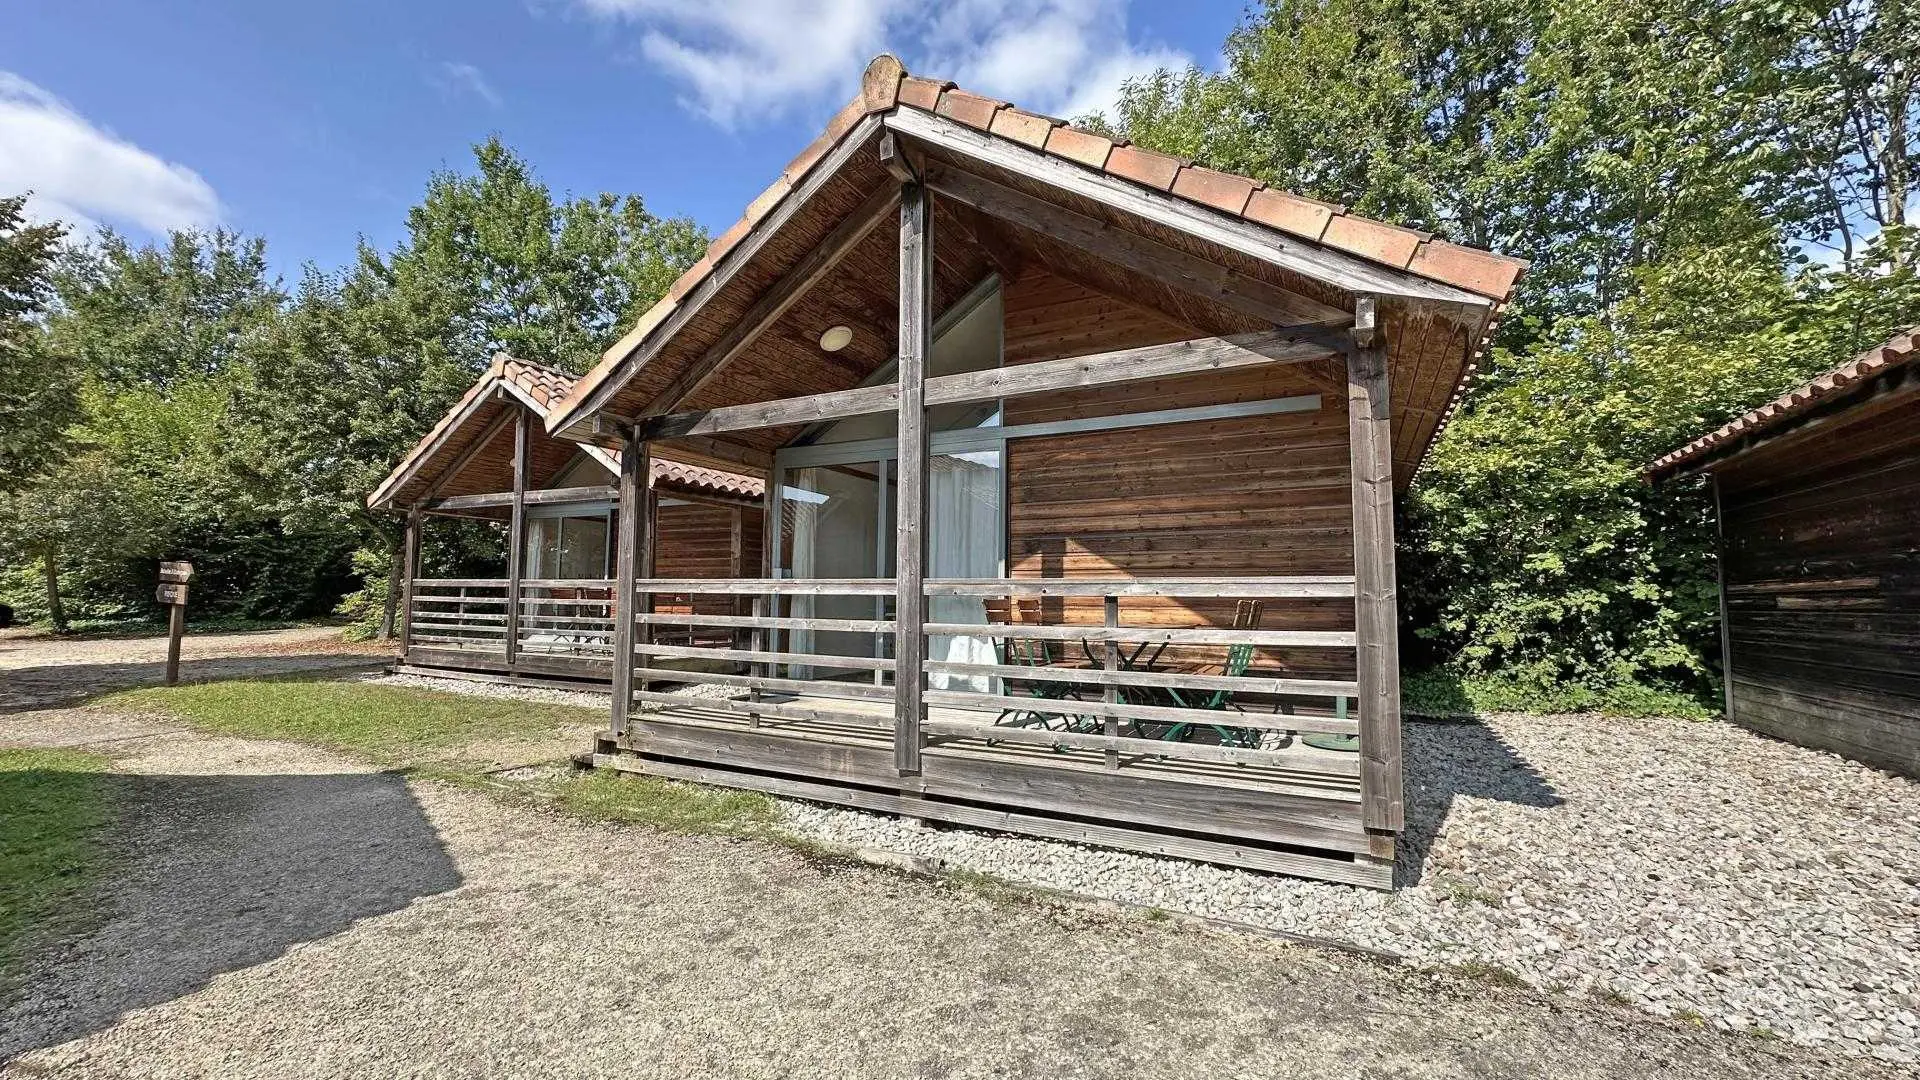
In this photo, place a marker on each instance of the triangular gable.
(519, 384)
(1359, 253)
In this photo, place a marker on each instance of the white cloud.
(85, 175)
(754, 60)
(454, 79)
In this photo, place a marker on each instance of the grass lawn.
(55, 802)
(424, 731)
(389, 725)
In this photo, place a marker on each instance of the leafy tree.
(38, 384)
(367, 360)
(81, 521)
(1664, 166)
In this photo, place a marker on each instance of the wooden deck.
(1301, 817)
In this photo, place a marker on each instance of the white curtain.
(805, 522)
(963, 496)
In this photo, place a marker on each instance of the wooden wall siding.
(1250, 496)
(695, 540)
(1823, 592)
(1428, 348)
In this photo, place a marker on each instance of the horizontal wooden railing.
(1125, 715)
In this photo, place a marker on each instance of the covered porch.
(549, 611)
(1080, 492)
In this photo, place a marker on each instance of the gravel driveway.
(282, 912)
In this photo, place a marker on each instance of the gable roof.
(539, 389)
(1901, 349)
(1461, 273)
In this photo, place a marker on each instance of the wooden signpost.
(173, 593)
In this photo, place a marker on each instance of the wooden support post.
(410, 569)
(633, 492)
(1111, 695)
(736, 562)
(1375, 608)
(910, 600)
(649, 514)
(517, 536)
(176, 629)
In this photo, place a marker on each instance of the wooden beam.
(1149, 258)
(1005, 256)
(1350, 273)
(538, 497)
(517, 532)
(721, 454)
(1099, 369)
(410, 559)
(633, 489)
(1375, 606)
(634, 354)
(893, 158)
(780, 297)
(910, 500)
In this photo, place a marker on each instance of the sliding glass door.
(837, 490)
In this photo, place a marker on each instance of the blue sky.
(311, 124)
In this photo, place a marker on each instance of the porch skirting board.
(1230, 825)
(529, 666)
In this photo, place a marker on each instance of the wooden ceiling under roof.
(1430, 343)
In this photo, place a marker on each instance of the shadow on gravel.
(59, 686)
(210, 874)
(1448, 759)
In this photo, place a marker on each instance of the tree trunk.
(396, 575)
(56, 613)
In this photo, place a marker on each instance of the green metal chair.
(1246, 616)
(1032, 653)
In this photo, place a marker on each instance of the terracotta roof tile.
(922, 93)
(1290, 213)
(768, 199)
(880, 83)
(725, 241)
(686, 282)
(969, 109)
(1222, 191)
(1143, 166)
(1082, 146)
(1024, 127)
(1903, 348)
(1375, 240)
(1469, 268)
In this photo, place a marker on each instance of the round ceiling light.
(836, 338)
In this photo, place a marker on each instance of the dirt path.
(40, 672)
(282, 912)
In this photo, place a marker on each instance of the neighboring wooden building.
(1818, 495)
(1033, 405)
(551, 613)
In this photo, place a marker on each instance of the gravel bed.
(1691, 869)
(1694, 870)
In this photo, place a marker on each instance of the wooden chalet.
(1817, 496)
(1081, 463)
(550, 617)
